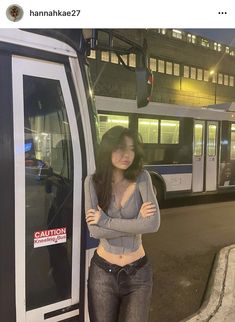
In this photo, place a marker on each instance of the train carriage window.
(206, 75)
(186, 71)
(105, 56)
(232, 144)
(169, 66)
(148, 128)
(231, 81)
(161, 66)
(176, 69)
(114, 58)
(212, 140)
(132, 60)
(153, 64)
(49, 191)
(107, 121)
(169, 131)
(198, 140)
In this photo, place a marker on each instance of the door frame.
(199, 186)
(203, 173)
(208, 174)
(51, 70)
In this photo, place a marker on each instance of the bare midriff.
(121, 259)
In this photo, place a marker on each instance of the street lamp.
(214, 76)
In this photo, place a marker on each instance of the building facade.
(188, 69)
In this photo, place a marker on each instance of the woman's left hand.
(93, 216)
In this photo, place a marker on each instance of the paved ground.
(225, 310)
(182, 254)
(219, 304)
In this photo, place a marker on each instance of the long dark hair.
(103, 175)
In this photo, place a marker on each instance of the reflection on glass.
(198, 140)
(49, 193)
(226, 175)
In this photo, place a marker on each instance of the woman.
(120, 206)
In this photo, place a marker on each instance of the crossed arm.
(91, 204)
(103, 226)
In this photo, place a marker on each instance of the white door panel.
(46, 182)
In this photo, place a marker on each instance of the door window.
(49, 193)
(232, 144)
(198, 140)
(211, 140)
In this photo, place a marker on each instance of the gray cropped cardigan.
(120, 228)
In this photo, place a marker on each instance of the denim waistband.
(130, 269)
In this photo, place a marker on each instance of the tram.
(187, 150)
(48, 127)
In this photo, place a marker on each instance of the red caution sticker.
(49, 237)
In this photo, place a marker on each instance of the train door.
(211, 156)
(205, 156)
(48, 176)
(198, 156)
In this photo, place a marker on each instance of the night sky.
(225, 36)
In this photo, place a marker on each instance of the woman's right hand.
(147, 209)
(93, 216)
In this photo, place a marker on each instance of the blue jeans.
(119, 294)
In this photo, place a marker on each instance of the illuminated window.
(153, 64)
(231, 53)
(124, 58)
(191, 38)
(186, 71)
(227, 50)
(193, 72)
(162, 31)
(161, 66)
(177, 34)
(232, 144)
(231, 81)
(148, 129)
(106, 122)
(199, 74)
(226, 80)
(105, 56)
(217, 47)
(114, 58)
(198, 140)
(168, 68)
(214, 78)
(92, 54)
(206, 75)
(205, 43)
(211, 141)
(132, 60)
(169, 132)
(176, 69)
(220, 79)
